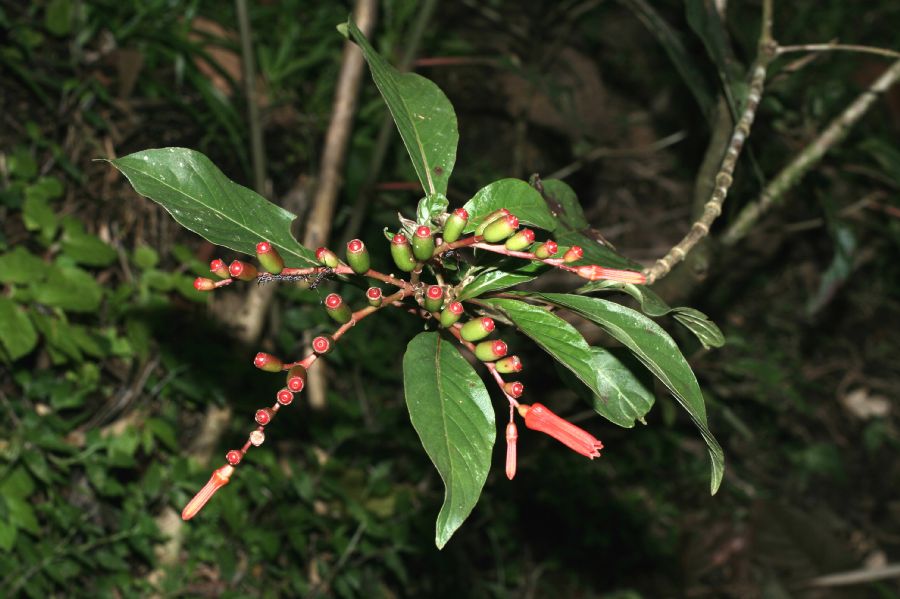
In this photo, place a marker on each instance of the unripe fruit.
(234, 457)
(479, 230)
(358, 256)
(451, 314)
(296, 378)
(242, 270)
(269, 257)
(509, 364)
(423, 244)
(573, 254)
(434, 298)
(477, 329)
(546, 249)
(285, 397)
(402, 254)
(455, 224)
(323, 344)
(520, 240)
(264, 416)
(374, 295)
(337, 309)
(514, 389)
(218, 268)
(501, 228)
(204, 284)
(488, 351)
(327, 257)
(267, 362)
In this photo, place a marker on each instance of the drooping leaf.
(517, 196)
(567, 346)
(658, 352)
(451, 411)
(703, 17)
(507, 274)
(423, 114)
(17, 335)
(701, 326)
(201, 198)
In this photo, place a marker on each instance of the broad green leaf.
(567, 346)
(201, 198)
(703, 17)
(84, 248)
(58, 17)
(430, 207)
(507, 274)
(451, 411)
(673, 45)
(58, 337)
(17, 335)
(7, 534)
(564, 204)
(652, 346)
(423, 114)
(69, 288)
(517, 196)
(701, 326)
(20, 266)
(145, 257)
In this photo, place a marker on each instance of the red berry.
(435, 292)
(233, 457)
(455, 307)
(285, 397)
(355, 246)
(423, 231)
(264, 416)
(373, 293)
(333, 301)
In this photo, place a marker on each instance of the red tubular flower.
(218, 480)
(511, 435)
(592, 272)
(539, 418)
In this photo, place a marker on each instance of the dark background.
(103, 418)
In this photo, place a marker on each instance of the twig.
(713, 207)
(837, 48)
(855, 576)
(257, 149)
(774, 192)
(603, 152)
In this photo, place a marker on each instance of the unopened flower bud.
(358, 256)
(337, 309)
(264, 416)
(512, 434)
(234, 457)
(488, 351)
(267, 362)
(218, 268)
(546, 249)
(296, 378)
(479, 230)
(285, 397)
(327, 257)
(269, 257)
(423, 244)
(520, 240)
(509, 364)
(455, 224)
(323, 344)
(477, 329)
(218, 480)
(514, 389)
(592, 272)
(242, 270)
(402, 254)
(204, 284)
(573, 254)
(451, 314)
(501, 228)
(257, 438)
(434, 297)
(374, 296)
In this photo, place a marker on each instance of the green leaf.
(84, 248)
(58, 18)
(563, 341)
(58, 336)
(21, 514)
(703, 17)
(17, 335)
(145, 257)
(651, 303)
(7, 534)
(451, 411)
(202, 199)
(20, 266)
(701, 326)
(623, 396)
(564, 204)
(658, 352)
(517, 196)
(69, 288)
(508, 274)
(594, 251)
(423, 114)
(431, 206)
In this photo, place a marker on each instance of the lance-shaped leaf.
(201, 198)
(451, 411)
(508, 273)
(17, 336)
(515, 195)
(423, 114)
(652, 346)
(567, 346)
(701, 326)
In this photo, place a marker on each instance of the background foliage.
(110, 361)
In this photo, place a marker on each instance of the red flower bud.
(269, 257)
(423, 244)
(495, 215)
(488, 351)
(358, 256)
(264, 416)
(242, 270)
(514, 389)
(267, 362)
(218, 480)
(573, 254)
(592, 272)
(455, 224)
(509, 364)
(451, 314)
(374, 295)
(327, 257)
(337, 309)
(218, 268)
(234, 457)
(539, 418)
(203, 284)
(512, 434)
(285, 397)
(477, 329)
(546, 249)
(434, 297)
(501, 228)
(521, 240)
(296, 378)
(402, 254)
(322, 344)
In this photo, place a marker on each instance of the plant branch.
(837, 48)
(723, 179)
(775, 191)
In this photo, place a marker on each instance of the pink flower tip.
(593, 272)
